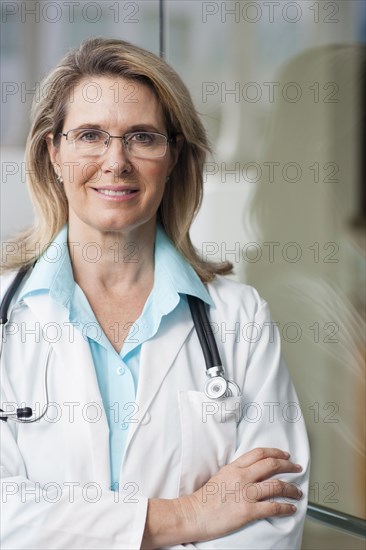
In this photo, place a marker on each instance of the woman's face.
(112, 191)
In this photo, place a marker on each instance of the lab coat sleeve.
(270, 416)
(62, 515)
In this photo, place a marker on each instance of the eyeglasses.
(143, 145)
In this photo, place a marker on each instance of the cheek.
(89, 172)
(156, 173)
(77, 173)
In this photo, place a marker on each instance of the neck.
(112, 260)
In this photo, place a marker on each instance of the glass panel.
(322, 537)
(278, 86)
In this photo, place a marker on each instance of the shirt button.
(123, 425)
(120, 370)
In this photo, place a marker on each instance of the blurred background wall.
(279, 87)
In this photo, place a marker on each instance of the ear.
(52, 150)
(175, 151)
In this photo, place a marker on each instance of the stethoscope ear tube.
(25, 412)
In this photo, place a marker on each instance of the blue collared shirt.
(117, 373)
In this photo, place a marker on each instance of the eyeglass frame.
(124, 138)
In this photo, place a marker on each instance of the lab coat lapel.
(157, 358)
(88, 441)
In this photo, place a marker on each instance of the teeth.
(114, 193)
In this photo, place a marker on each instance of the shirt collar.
(172, 268)
(53, 271)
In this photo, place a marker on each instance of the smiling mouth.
(111, 193)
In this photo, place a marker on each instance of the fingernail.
(287, 455)
(293, 508)
(300, 493)
(298, 467)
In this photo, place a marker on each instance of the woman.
(131, 452)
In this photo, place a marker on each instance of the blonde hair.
(183, 193)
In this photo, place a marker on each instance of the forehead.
(113, 100)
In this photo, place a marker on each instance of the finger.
(260, 453)
(268, 467)
(274, 488)
(266, 509)
(269, 490)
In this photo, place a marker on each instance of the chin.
(116, 224)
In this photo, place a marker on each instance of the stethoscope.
(216, 387)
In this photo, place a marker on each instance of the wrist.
(170, 522)
(187, 512)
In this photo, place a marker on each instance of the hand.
(241, 492)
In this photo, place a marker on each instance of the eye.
(144, 138)
(90, 136)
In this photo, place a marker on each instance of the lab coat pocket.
(208, 429)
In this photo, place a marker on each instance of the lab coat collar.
(71, 353)
(157, 358)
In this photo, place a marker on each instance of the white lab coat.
(56, 472)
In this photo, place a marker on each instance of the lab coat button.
(123, 425)
(120, 370)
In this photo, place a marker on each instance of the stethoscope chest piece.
(216, 387)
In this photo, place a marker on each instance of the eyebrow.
(134, 128)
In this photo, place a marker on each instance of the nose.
(116, 157)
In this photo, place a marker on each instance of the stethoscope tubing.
(204, 332)
(4, 307)
(14, 416)
(214, 368)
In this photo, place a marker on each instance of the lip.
(129, 192)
